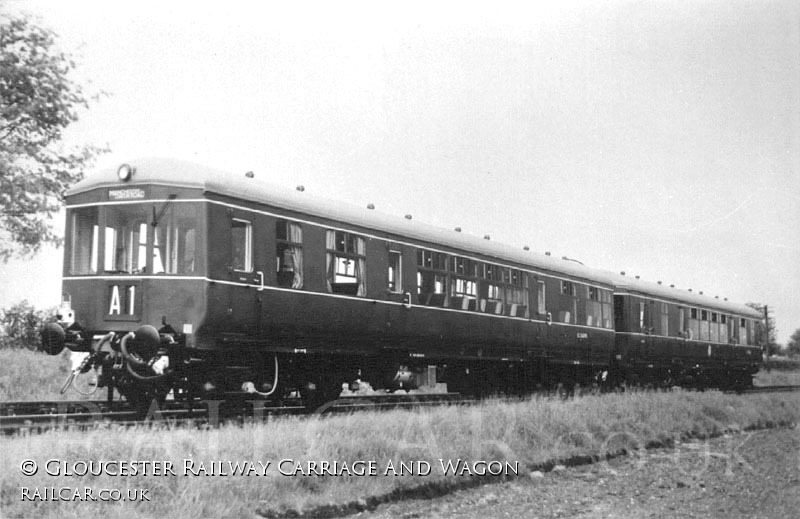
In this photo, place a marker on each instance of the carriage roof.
(171, 172)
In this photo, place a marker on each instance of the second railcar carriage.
(666, 336)
(187, 278)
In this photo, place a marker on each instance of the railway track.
(768, 389)
(32, 417)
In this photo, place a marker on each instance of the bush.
(782, 363)
(20, 325)
(793, 346)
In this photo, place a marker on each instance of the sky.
(657, 138)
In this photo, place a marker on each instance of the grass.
(531, 432)
(779, 371)
(33, 375)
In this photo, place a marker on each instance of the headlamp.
(125, 172)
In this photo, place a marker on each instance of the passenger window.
(743, 332)
(540, 299)
(593, 307)
(395, 279)
(620, 318)
(705, 328)
(289, 254)
(694, 324)
(346, 263)
(188, 250)
(463, 293)
(502, 290)
(463, 283)
(241, 245)
(605, 299)
(642, 309)
(663, 311)
(491, 293)
(431, 278)
(517, 294)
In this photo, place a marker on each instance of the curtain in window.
(361, 266)
(540, 299)
(296, 236)
(330, 244)
(694, 329)
(607, 315)
(593, 313)
(189, 248)
(723, 333)
(172, 249)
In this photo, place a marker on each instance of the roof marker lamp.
(125, 172)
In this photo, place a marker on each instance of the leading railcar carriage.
(180, 277)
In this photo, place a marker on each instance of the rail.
(28, 417)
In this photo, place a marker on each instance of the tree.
(38, 100)
(20, 325)
(765, 334)
(793, 346)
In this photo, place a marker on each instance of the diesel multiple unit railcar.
(179, 277)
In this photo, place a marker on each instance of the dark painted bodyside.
(313, 320)
(644, 352)
(223, 313)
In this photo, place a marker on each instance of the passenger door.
(245, 278)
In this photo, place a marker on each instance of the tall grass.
(531, 432)
(33, 375)
(779, 371)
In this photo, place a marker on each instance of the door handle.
(261, 280)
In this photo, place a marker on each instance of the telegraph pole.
(766, 332)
